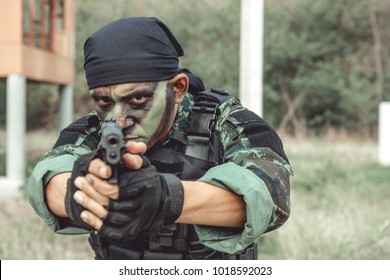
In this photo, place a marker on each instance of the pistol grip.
(114, 176)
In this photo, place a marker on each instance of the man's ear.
(180, 86)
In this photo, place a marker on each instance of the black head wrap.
(139, 49)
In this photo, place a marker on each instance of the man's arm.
(55, 194)
(204, 203)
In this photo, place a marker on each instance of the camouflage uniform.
(256, 172)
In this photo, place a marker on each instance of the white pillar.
(384, 133)
(16, 133)
(66, 106)
(251, 55)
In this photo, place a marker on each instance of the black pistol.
(112, 147)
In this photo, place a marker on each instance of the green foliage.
(42, 105)
(323, 50)
(207, 30)
(326, 62)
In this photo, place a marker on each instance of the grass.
(23, 234)
(340, 209)
(340, 204)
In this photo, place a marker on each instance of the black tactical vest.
(187, 162)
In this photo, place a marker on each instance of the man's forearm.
(205, 204)
(55, 194)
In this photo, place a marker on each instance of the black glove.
(72, 208)
(147, 200)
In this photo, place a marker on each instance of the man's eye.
(103, 101)
(138, 100)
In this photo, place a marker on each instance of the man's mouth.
(132, 138)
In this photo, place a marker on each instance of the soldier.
(202, 176)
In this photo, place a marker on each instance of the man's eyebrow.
(99, 92)
(128, 93)
(148, 88)
(98, 95)
(137, 92)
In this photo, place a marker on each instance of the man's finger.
(136, 147)
(133, 162)
(131, 158)
(99, 168)
(91, 219)
(90, 204)
(103, 188)
(85, 185)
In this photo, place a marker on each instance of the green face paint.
(145, 111)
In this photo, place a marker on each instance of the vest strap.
(202, 122)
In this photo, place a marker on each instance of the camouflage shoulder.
(259, 155)
(181, 123)
(68, 149)
(229, 107)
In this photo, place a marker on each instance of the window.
(41, 19)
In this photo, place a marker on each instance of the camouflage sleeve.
(255, 167)
(71, 143)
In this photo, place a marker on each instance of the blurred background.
(325, 71)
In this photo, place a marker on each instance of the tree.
(320, 64)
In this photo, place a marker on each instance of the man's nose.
(124, 122)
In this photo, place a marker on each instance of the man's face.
(145, 111)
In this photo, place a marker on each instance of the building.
(37, 44)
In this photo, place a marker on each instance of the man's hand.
(88, 192)
(144, 201)
(147, 200)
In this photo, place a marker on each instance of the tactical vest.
(187, 162)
